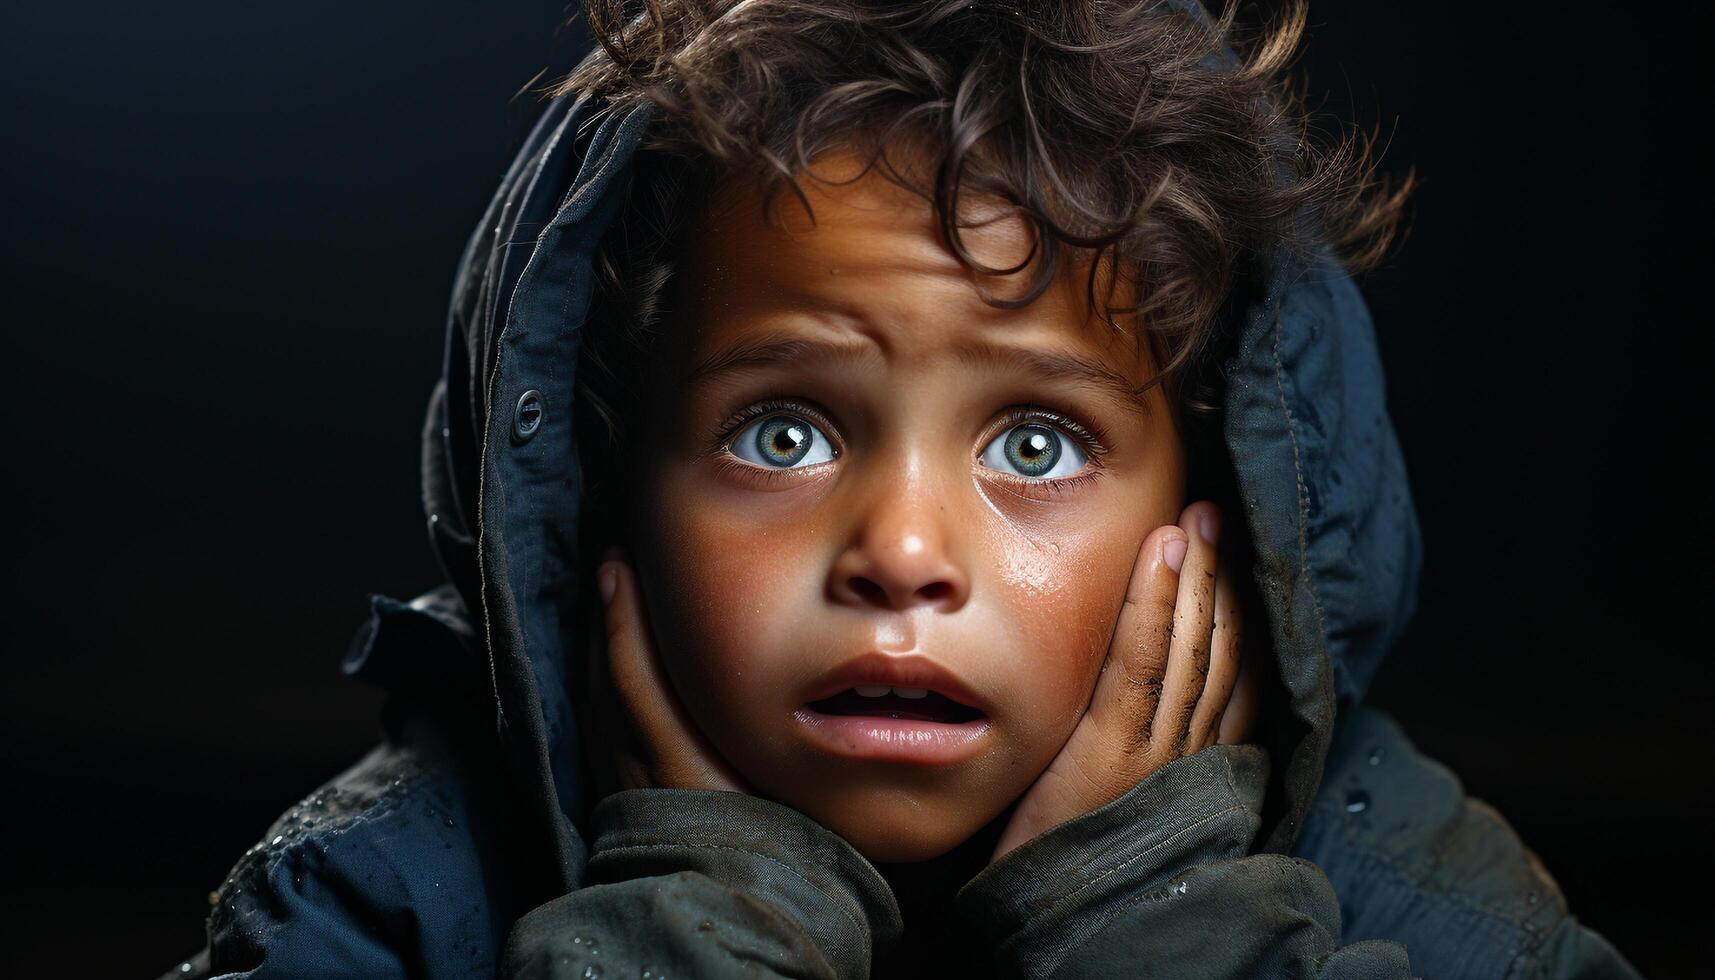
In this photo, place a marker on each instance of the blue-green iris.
(1034, 449)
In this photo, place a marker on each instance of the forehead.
(874, 268)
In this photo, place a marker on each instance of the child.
(917, 498)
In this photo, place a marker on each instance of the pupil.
(1034, 449)
(784, 440)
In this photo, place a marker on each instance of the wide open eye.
(1034, 450)
(781, 442)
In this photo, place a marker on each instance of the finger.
(1130, 684)
(631, 662)
(1193, 619)
(1242, 709)
(678, 755)
(631, 671)
(618, 739)
(612, 762)
(1223, 667)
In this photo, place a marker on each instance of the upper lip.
(896, 670)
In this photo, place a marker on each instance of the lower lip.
(870, 737)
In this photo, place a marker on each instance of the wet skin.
(907, 525)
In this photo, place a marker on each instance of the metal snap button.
(527, 417)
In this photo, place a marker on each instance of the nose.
(900, 554)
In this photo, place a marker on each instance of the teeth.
(880, 690)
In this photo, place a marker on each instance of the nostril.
(869, 591)
(935, 591)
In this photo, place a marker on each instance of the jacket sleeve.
(1419, 861)
(699, 883)
(378, 874)
(1159, 883)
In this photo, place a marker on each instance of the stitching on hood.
(1298, 478)
(490, 386)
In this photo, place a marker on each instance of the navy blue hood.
(1315, 459)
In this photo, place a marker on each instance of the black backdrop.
(230, 231)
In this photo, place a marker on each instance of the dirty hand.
(653, 741)
(1169, 674)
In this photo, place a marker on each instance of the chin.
(890, 826)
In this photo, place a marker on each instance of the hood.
(1315, 459)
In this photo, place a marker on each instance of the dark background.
(230, 232)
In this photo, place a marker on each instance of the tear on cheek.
(1031, 570)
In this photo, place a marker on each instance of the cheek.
(727, 588)
(1060, 578)
(1063, 597)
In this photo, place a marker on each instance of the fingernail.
(1209, 524)
(1173, 551)
(607, 579)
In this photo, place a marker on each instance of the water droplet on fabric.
(1531, 898)
(705, 926)
(1377, 755)
(447, 820)
(279, 840)
(1179, 888)
(184, 968)
(1357, 801)
(591, 972)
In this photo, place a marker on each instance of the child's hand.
(653, 741)
(1169, 674)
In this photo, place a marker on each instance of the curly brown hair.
(1165, 141)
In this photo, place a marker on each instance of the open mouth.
(904, 703)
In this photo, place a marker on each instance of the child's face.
(877, 506)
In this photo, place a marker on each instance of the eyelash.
(760, 476)
(1090, 433)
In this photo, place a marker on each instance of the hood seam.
(1298, 479)
(1298, 810)
(491, 384)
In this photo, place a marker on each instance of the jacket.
(467, 844)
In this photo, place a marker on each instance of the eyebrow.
(1057, 365)
(1053, 365)
(767, 352)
